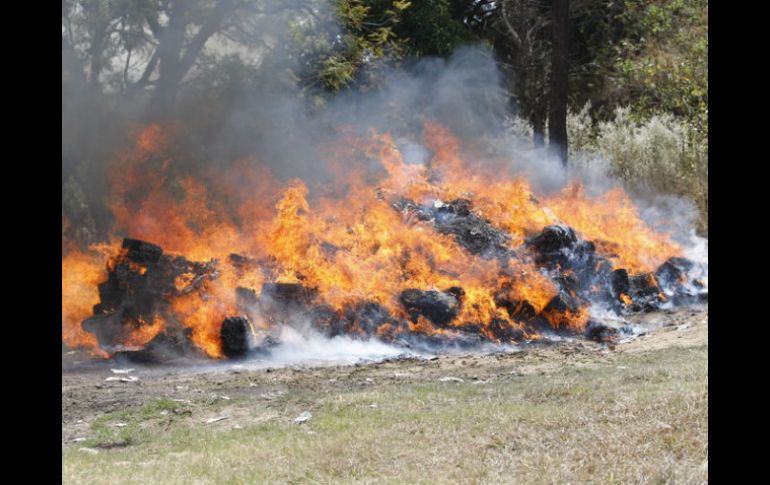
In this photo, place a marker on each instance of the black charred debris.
(140, 284)
(142, 281)
(474, 233)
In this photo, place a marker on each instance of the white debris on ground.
(217, 419)
(450, 379)
(121, 371)
(122, 379)
(302, 418)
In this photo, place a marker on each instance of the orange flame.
(345, 240)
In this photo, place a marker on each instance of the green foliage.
(336, 51)
(430, 29)
(662, 66)
(649, 54)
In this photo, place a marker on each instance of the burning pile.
(447, 253)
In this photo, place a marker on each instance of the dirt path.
(86, 394)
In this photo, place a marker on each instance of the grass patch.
(634, 419)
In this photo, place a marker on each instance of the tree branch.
(511, 30)
(208, 29)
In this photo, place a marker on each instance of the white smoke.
(309, 347)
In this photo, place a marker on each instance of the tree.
(342, 46)
(557, 106)
(518, 31)
(433, 28)
(131, 47)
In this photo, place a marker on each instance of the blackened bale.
(237, 335)
(440, 307)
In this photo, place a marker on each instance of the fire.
(143, 332)
(345, 240)
(613, 223)
(81, 272)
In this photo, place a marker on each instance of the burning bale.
(142, 252)
(440, 307)
(566, 313)
(474, 233)
(493, 264)
(558, 247)
(327, 320)
(287, 295)
(134, 301)
(679, 278)
(502, 331)
(621, 286)
(600, 332)
(164, 347)
(366, 317)
(518, 310)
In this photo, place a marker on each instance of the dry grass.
(640, 418)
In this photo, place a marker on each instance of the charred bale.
(440, 307)
(644, 285)
(472, 328)
(680, 279)
(285, 303)
(288, 294)
(474, 233)
(365, 317)
(451, 341)
(519, 310)
(138, 288)
(162, 348)
(327, 320)
(503, 331)
(243, 263)
(237, 335)
(561, 312)
(246, 296)
(673, 274)
(621, 284)
(329, 249)
(108, 329)
(553, 239)
(142, 252)
(599, 332)
(456, 218)
(645, 292)
(558, 247)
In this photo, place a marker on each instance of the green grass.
(636, 419)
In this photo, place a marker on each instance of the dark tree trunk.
(169, 54)
(538, 129)
(98, 34)
(175, 57)
(557, 110)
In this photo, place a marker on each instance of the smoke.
(252, 111)
(310, 347)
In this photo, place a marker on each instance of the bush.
(661, 153)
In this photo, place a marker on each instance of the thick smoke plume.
(267, 123)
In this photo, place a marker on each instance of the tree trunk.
(538, 129)
(175, 58)
(169, 54)
(557, 110)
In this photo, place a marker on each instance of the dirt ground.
(87, 394)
